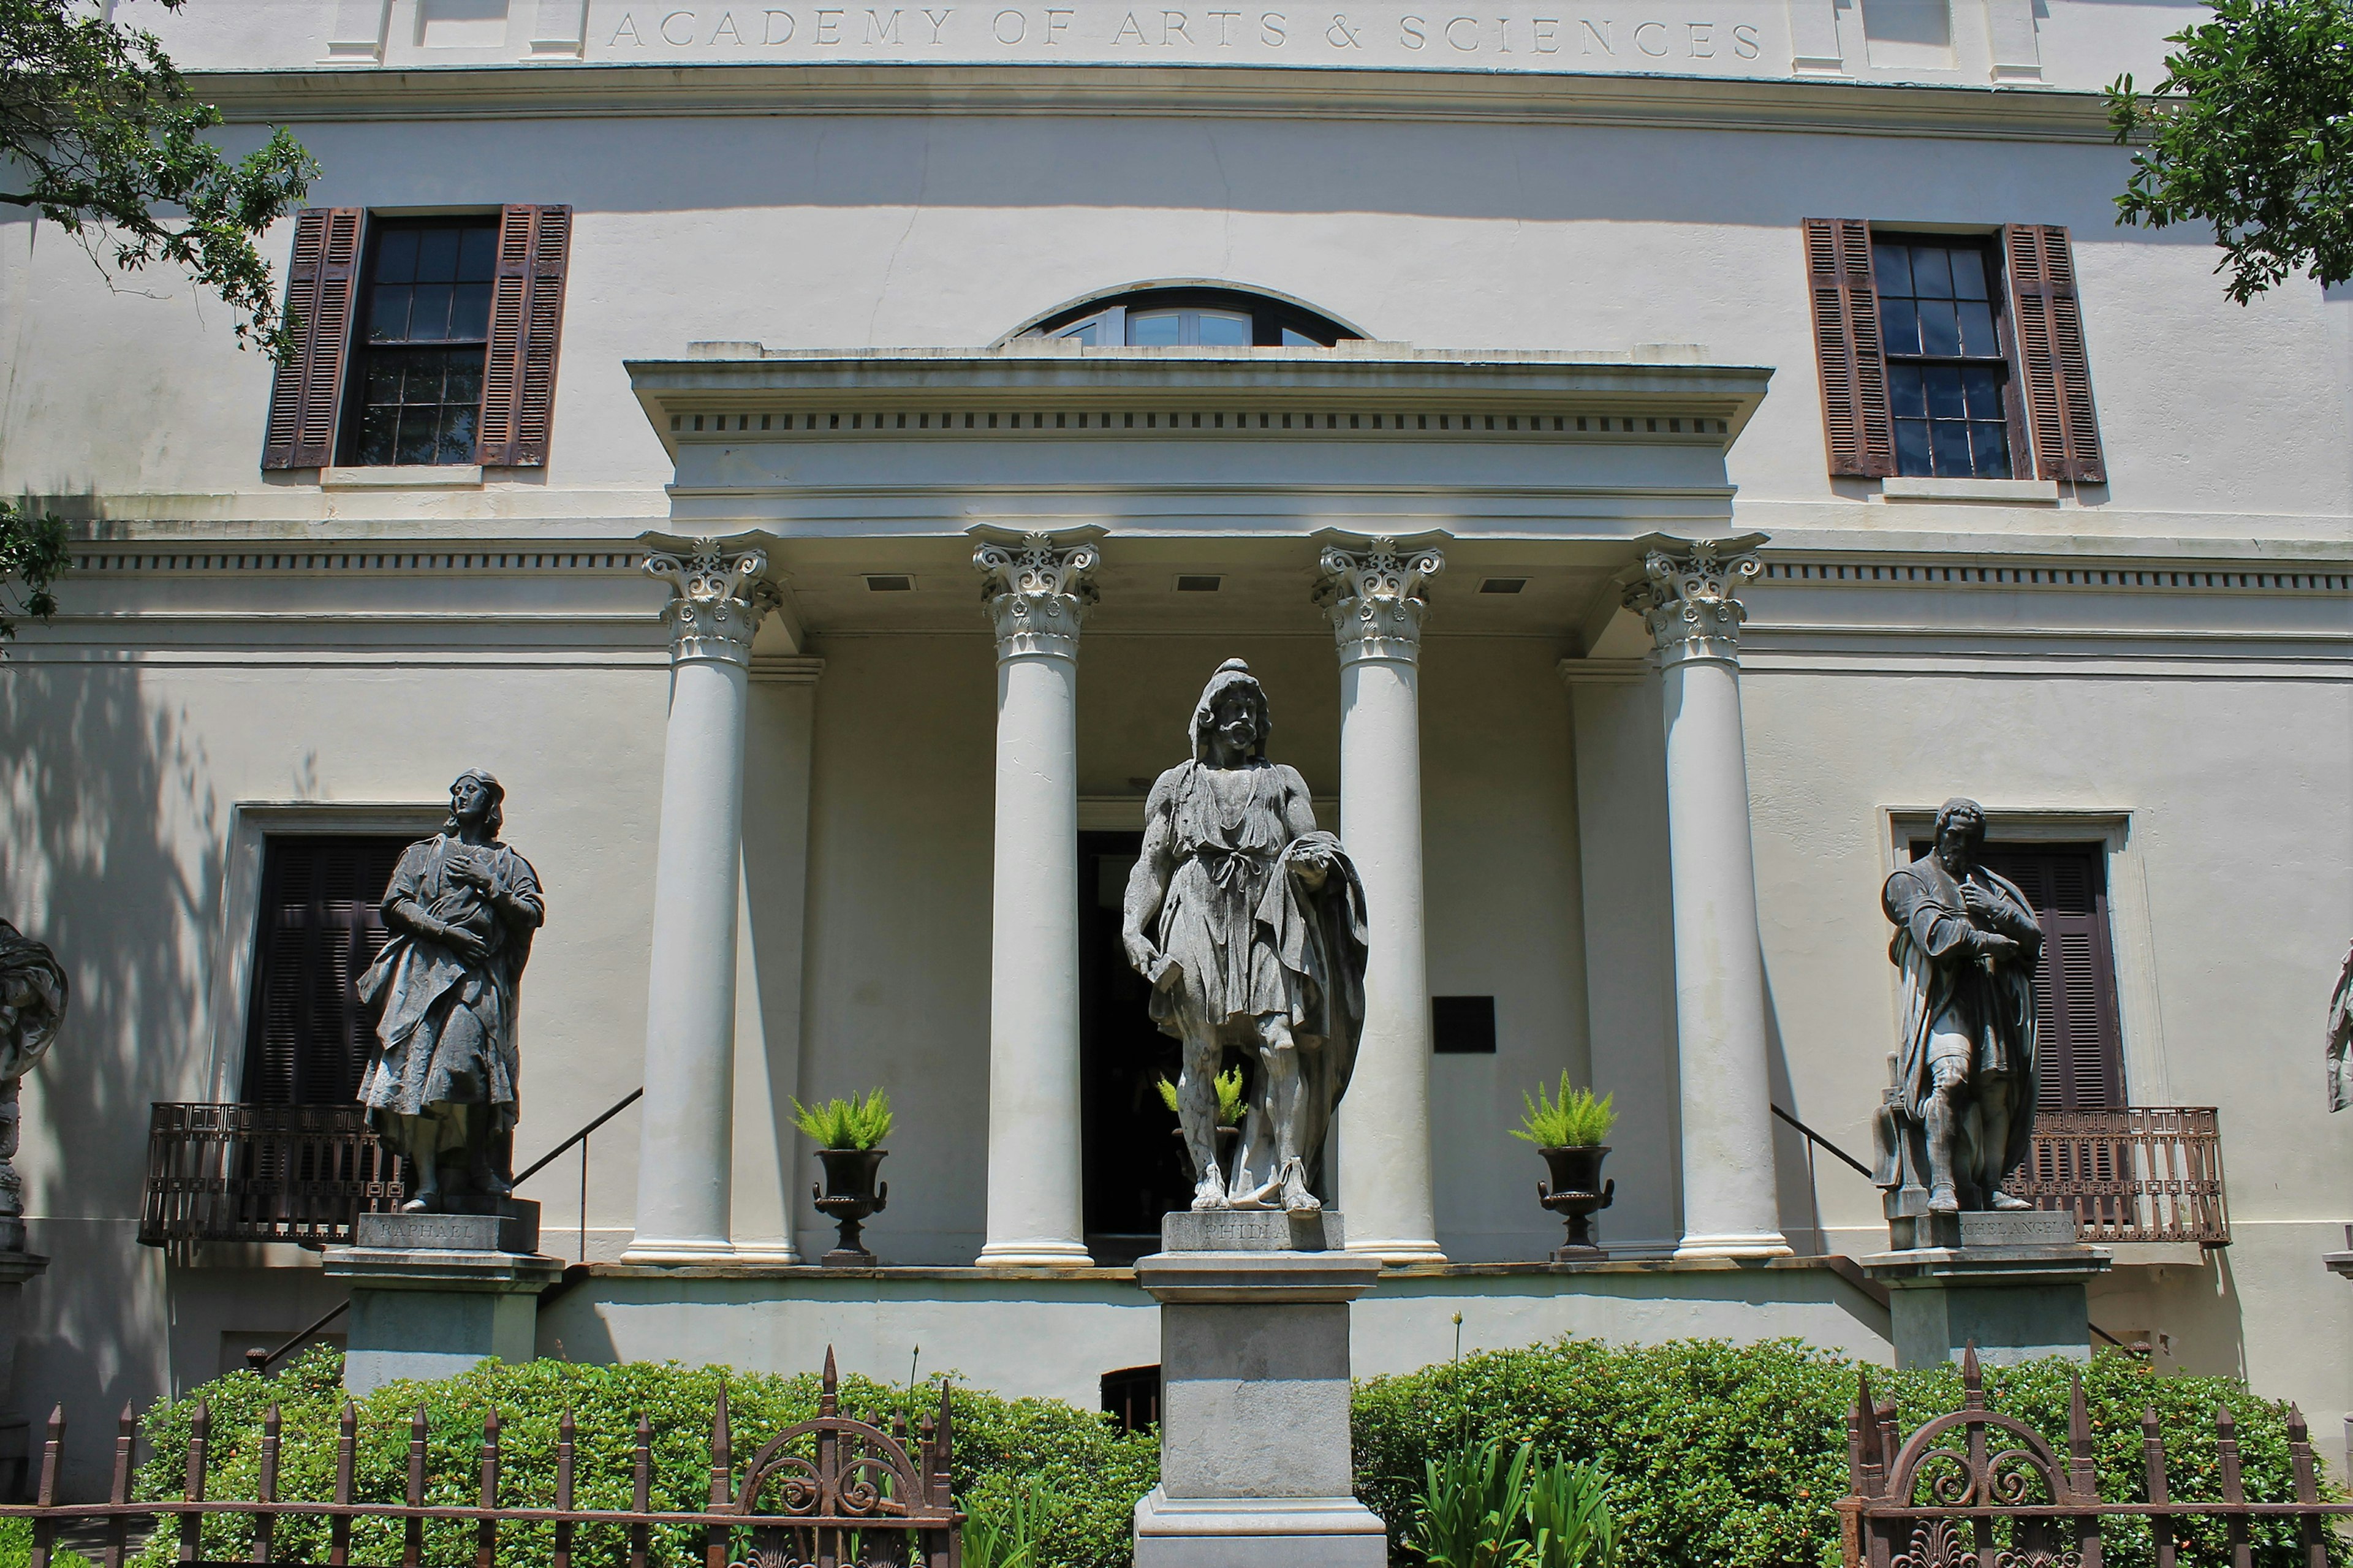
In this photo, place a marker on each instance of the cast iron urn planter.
(849, 1195)
(1576, 1193)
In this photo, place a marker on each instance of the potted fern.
(849, 1134)
(1230, 1115)
(1570, 1132)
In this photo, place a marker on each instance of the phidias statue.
(1249, 925)
(1961, 1113)
(440, 1087)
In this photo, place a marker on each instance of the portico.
(820, 496)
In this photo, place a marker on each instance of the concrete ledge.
(1245, 1532)
(2017, 493)
(410, 1269)
(1257, 1277)
(753, 1268)
(1964, 1267)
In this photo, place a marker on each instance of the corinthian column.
(1684, 594)
(717, 599)
(1037, 589)
(1372, 590)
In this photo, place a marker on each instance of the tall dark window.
(425, 334)
(2079, 1049)
(1939, 311)
(308, 1035)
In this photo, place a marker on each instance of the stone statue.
(440, 1087)
(2340, 1037)
(32, 1009)
(1961, 1113)
(1249, 925)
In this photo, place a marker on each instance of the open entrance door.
(1135, 1166)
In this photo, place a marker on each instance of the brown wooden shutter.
(1847, 346)
(527, 323)
(321, 281)
(309, 1035)
(2054, 372)
(2080, 1054)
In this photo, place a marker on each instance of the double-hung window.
(1951, 356)
(420, 341)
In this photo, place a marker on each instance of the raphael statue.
(440, 1087)
(1961, 1113)
(1249, 925)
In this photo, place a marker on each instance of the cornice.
(1862, 572)
(559, 90)
(1059, 391)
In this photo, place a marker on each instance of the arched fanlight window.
(1189, 316)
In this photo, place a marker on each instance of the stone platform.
(2012, 1284)
(1254, 1451)
(432, 1294)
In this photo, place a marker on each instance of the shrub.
(16, 1547)
(852, 1123)
(1735, 1455)
(1576, 1120)
(1093, 1472)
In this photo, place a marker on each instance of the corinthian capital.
(1372, 591)
(1684, 594)
(718, 597)
(1038, 592)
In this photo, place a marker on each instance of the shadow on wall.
(97, 781)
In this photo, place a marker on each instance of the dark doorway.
(1135, 1169)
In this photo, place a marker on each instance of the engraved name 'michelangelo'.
(1436, 31)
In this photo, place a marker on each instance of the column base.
(1398, 1249)
(658, 1249)
(1042, 1253)
(1735, 1243)
(1250, 1532)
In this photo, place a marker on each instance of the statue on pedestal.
(1249, 925)
(1960, 1115)
(32, 1010)
(440, 1089)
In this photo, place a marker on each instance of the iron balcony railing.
(263, 1173)
(2132, 1174)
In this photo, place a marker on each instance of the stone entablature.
(1998, 42)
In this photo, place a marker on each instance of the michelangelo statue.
(1962, 1109)
(1249, 925)
(32, 1010)
(440, 1087)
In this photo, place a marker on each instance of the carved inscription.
(1407, 31)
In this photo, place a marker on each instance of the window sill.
(2018, 493)
(400, 476)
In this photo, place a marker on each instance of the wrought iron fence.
(1981, 1489)
(263, 1173)
(2133, 1174)
(832, 1492)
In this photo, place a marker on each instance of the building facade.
(815, 457)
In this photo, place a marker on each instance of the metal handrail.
(1811, 1136)
(547, 1159)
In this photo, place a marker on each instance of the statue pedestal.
(2012, 1284)
(432, 1294)
(1254, 1453)
(17, 1267)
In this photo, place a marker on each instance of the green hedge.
(1729, 1456)
(1095, 1472)
(1734, 1456)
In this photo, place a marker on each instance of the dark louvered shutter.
(1848, 347)
(526, 325)
(2053, 368)
(321, 281)
(309, 1039)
